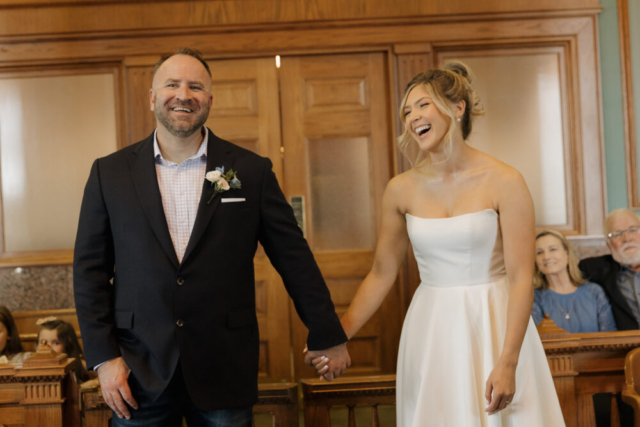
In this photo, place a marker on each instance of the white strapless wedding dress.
(454, 332)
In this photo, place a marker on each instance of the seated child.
(10, 345)
(61, 337)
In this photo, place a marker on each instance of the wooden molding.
(36, 258)
(624, 35)
(114, 18)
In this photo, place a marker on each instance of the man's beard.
(178, 128)
(622, 259)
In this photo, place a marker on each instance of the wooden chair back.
(631, 393)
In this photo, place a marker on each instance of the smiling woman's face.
(551, 257)
(426, 124)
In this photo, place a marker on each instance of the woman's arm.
(605, 315)
(390, 252)
(517, 223)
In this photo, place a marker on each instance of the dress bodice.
(462, 250)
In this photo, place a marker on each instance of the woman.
(572, 303)
(10, 345)
(468, 335)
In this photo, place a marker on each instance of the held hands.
(330, 363)
(501, 386)
(115, 388)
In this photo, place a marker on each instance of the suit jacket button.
(179, 323)
(180, 281)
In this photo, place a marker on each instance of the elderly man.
(163, 267)
(619, 273)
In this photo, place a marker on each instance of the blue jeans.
(174, 404)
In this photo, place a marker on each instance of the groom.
(163, 266)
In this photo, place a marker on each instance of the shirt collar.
(202, 151)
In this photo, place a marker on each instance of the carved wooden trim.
(246, 40)
(561, 365)
(37, 394)
(337, 394)
(15, 4)
(628, 108)
(182, 24)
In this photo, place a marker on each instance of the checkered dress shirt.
(181, 188)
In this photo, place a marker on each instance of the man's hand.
(331, 362)
(115, 388)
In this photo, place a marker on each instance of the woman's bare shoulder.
(500, 172)
(400, 188)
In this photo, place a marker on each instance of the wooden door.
(245, 111)
(337, 157)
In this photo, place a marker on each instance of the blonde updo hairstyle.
(446, 87)
(575, 275)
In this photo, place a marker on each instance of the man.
(619, 273)
(163, 266)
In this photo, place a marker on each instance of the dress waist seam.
(489, 281)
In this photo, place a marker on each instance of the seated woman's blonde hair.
(575, 275)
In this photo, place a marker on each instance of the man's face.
(625, 248)
(180, 96)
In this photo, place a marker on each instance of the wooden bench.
(26, 324)
(320, 396)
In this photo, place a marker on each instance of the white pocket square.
(233, 200)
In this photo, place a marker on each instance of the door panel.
(245, 111)
(336, 139)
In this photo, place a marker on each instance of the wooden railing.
(581, 365)
(321, 396)
(278, 399)
(586, 364)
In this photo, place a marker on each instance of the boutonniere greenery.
(222, 181)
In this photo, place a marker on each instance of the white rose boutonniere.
(222, 181)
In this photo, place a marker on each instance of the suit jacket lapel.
(218, 155)
(145, 181)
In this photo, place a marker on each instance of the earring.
(458, 118)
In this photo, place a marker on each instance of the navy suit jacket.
(134, 299)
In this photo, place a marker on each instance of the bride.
(469, 353)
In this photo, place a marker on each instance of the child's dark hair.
(69, 339)
(14, 345)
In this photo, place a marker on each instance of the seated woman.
(10, 345)
(572, 303)
(62, 338)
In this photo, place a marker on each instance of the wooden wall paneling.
(60, 256)
(579, 76)
(628, 107)
(588, 95)
(329, 103)
(141, 121)
(246, 112)
(30, 17)
(572, 149)
(411, 59)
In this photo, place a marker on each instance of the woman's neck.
(561, 282)
(450, 160)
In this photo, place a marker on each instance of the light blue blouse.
(585, 310)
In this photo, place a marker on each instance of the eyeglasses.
(630, 231)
